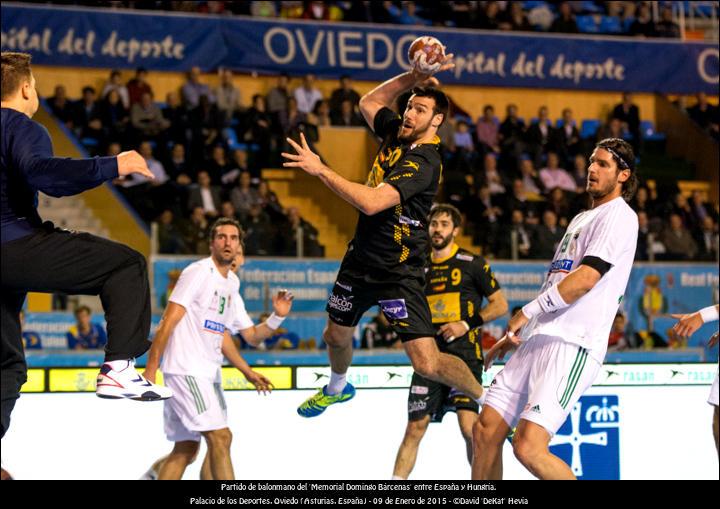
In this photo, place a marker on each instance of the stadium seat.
(232, 140)
(647, 128)
(589, 128)
(610, 25)
(587, 25)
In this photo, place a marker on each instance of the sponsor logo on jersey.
(564, 265)
(394, 309)
(419, 389)
(214, 327)
(464, 257)
(344, 286)
(340, 302)
(407, 220)
(439, 288)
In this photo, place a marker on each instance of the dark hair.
(224, 221)
(15, 69)
(623, 155)
(80, 309)
(446, 208)
(114, 73)
(442, 105)
(88, 89)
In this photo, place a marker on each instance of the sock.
(120, 365)
(481, 400)
(398, 478)
(337, 383)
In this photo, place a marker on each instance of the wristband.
(274, 321)
(549, 301)
(709, 314)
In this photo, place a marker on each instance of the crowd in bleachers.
(598, 17)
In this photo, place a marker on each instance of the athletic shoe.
(128, 383)
(315, 405)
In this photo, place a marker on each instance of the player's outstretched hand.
(508, 343)
(131, 162)
(262, 384)
(305, 158)
(687, 324)
(282, 302)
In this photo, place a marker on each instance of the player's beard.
(598, 193)
(222, 258)
(416, 133)
(441, 244)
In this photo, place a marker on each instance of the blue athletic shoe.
(315, 405)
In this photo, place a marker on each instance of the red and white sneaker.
(128, 383)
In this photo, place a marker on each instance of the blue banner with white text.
(116, 39)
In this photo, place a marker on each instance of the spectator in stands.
(315, 10)
(523, 234)
(240, 163)
(347, 116)
(244, 196)
(487, 130)
(463, 137)
(320, 115)
(617, 340)
(115, 83)
(170, 237)
(263, 9)
(643, 26)
(228, 96)
(643, 203)
(87, 118)
(138, 86)
(31, 340)
(540, 136)
(259, 233)
(343, 93)
(491, 176)
(488, 18)
(227, 210)
(612, 129)
(520, 200)
(666, 27)
(681, 207)
(205, 195)
(85, 335)
(565, 21)
(642, 251)
(307, 94)
(155, 166)
(178, 167)
(515, 18)
(193, 89)
(379, 334)
(220, 168)
(629, 114)
(196, 232)
(703, 113)
(114, 116)
(700, 208)
(206, 124)
(296, 226)
(61, 106)
(528, 173)
(147, 119)
(512, 133)
(485, 214)
(176, 114)
(559, 204)
(568, 135)
(678, 242)
(277, 97)
(270, 203)
(406, 14)
(579, 173)
(707, 240)
(547, 237)
(259, 130)
(553, 176)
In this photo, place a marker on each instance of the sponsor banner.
(120, 39)
(79, 379)
(233, 380)
(35, 381)
(656, 374)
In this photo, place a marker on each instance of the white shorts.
(714, 399)
(197, 405)
(542, 381)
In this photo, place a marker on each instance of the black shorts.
(401, 297)
(431, 398)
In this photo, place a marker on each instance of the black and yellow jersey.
(456, 287)
(396, 240)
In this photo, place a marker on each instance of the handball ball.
(426, 54)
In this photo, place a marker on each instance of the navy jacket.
(27, 166)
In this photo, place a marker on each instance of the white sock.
(398, 478)
(120, 365)
(481, 400)
(337, 383)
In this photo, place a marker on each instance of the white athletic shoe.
(128, 383)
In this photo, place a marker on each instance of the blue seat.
(647, 129)
(589, 128)
(589, 6)
(231, 137)
(610, 25)
(587, 25)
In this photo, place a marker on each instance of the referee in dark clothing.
(37, 257)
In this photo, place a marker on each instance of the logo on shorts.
(417, 406)
(535, 409)
(340, 302)
(343, 286)
(394, 309)
(589, 440)
(419, 389)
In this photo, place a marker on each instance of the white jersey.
(241, 320)
(608, 232)
(195, 346)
